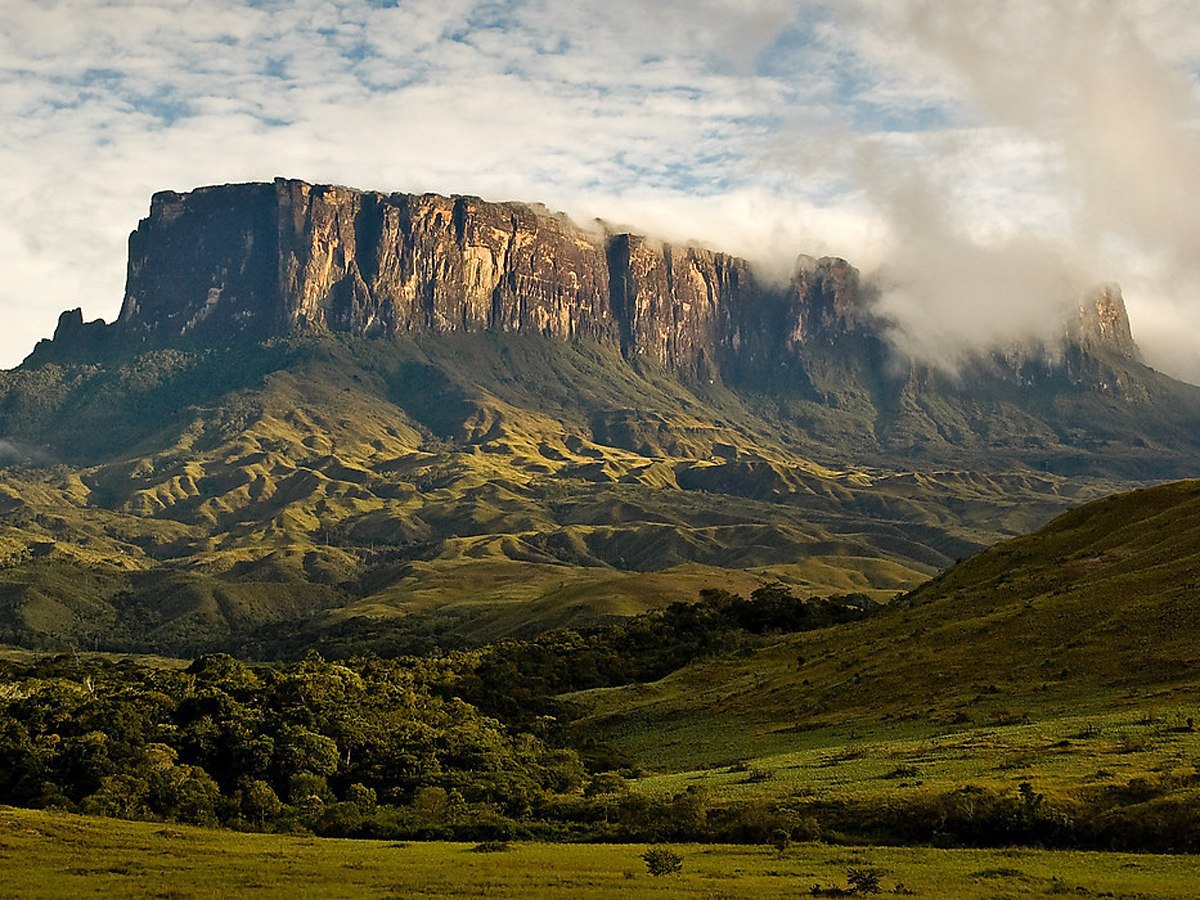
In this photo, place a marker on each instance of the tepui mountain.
(323, 412)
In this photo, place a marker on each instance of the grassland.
(1055, 667)
(1044, 689)
(497, 484)
(48, 854)
(1062, 758)
(1096, 613)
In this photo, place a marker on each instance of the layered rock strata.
(267, 259)
(262, 260)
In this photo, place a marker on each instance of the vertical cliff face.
(204, 263)
(679, 306)
(826, 301)
(370, 264)
(263, 259)
(258, 260)
(1102, 322)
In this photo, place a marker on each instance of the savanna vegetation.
(461, 746)
(446, 492)
(484, 745)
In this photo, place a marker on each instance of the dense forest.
(465, 744)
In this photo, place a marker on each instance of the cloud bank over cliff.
(986, 161)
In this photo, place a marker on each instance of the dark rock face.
(203, 263)
(262, 260)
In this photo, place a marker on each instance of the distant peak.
(1101, 322)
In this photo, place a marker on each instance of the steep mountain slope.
(328, 410)
(1095, 612)
(246, 263)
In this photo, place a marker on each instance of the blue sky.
(986, 161)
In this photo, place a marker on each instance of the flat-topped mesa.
(263, 260)
(268, 259)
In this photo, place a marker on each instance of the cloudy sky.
(986, 162)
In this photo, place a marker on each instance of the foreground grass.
(59, 855)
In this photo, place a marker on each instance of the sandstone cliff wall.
(260, 260)
(268, 259)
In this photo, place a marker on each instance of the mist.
(19, 453)
(1073, 161)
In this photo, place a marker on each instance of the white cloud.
(1095, 105)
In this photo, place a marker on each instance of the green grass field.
(1059, 757)
(1094, 615)
(59, 855)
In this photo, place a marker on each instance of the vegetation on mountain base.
(409, 748)
(367, 746)
(440, 490)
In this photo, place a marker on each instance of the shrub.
(661, 861)
(864, 881)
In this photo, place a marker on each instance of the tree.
(120, 796)
(298, 750)
(259, 801)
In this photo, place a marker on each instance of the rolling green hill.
(1094, 612)
(470, 486)
(1047, 686)
(1041, 692)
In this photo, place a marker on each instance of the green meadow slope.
(1044, 691)
(456, 489)
(1094, 614)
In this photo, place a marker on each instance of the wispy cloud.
(933, 142)
(1073, 160)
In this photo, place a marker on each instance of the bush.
(864, 881)
(661, 861)
(491, 847)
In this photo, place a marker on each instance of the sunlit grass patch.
(62, 855)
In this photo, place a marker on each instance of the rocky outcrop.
(825, 301)
(1101, 323)
(262, 260)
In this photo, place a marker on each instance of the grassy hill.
(470, 486)
(1063, 659)
(1039, 693)
(1097, 610)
